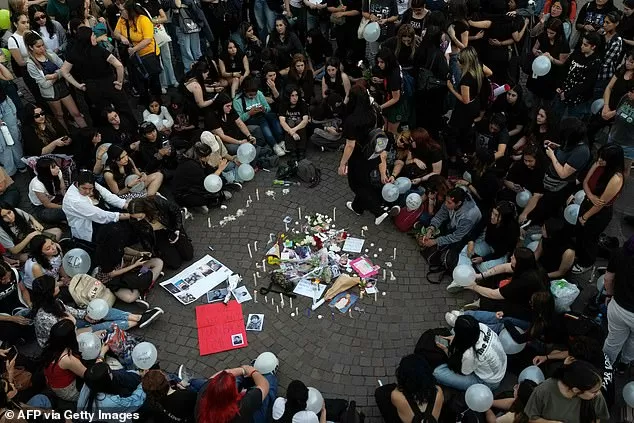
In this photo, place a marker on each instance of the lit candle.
(266, 299)
(255, 246)
(362, 232)
(257, 194)
(272, 301)
(281, 298)
(249, 247)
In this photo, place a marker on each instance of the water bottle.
(8, 139)
(599, 318)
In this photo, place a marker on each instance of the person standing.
(10, 153)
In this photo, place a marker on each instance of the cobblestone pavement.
(344, 357)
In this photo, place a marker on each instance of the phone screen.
(442, 341)
(166, 143)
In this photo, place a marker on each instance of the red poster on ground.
(220, 327)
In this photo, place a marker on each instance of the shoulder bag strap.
(419, 417)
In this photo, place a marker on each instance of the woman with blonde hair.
(467, 108)
(404, 47)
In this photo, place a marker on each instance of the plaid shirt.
(611, 58)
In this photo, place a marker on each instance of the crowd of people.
(132, 105)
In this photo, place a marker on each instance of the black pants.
(550, 205)
(101, 93)
(365, 196)
(11, 332)
(587, 236)
(173, 255)
(430, 110)
(197, 198)
(297, 148)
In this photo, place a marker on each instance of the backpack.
(406, 218)
(85, 288)
(441, 262)
(280, 280)
(307, 172)
(377, 143)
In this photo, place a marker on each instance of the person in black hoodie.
(155, 151)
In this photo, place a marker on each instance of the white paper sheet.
(353, 245)
(197, 279)
(307, 289)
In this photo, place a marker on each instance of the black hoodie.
(581, 77)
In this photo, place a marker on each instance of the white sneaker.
(164, 90)
(472, 306)
(380, 219)
(454, 287)
(349, 206)
(451, 316)
(277, 149)
(283, 145)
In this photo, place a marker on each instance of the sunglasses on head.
(37, 115)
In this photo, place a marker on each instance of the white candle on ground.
(286, 227)
(277, 308)
(257, 194)
(281, 298)
(296, 311)
(291, 298)
(374, 296)
(255, 246)
(394, 256)
(334, 215)
(209, 222)
(249, 247)
(255, 280)
(272, 301)
(264, 265)
(362, 232)
(299, 211)
(384, 275)
(250, 201)
(255, 295)
(266, 299)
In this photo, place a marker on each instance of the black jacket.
(169, 216)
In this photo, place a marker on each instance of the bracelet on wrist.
(251, 374)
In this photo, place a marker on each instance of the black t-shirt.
(123, 136)
(516, 114)
(392, 82)
(469, 81)
(9, 299)
(621, 87)
(293, 114)
(622, 266)
(350, 21)
(517, 295)
(382, 9)
(250, 403)
(405, 57)
(418, 24)
(502, 28)
(626, 28)
(490, 141)
(227, 123)
(233, 63)
(177, 407)
(352, 130)
(530, 179)
(152, 6)
(91, 64)
(460, 27)
(427, 155)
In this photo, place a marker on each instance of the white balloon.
(533, 246)
(628, 393)
(413, 201)
(579, 197)
(571, 213)
(213, 183)
(597, 106)
(315, 400)
(403, 184)
(600, 283)
(97, 309)
(246, 153)
(76, 262)
(372, 32)
(89, 345)
(135, 188)
(464, 275)
(467, 176)
(510, 346)
(533, 373)
(479, 398)
(246, 172)
(144, 355)
(541, 66)
(266, 363)
(390, 193)
(522, 198)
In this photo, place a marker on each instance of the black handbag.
(186, 23)
(147, 65)
(425, 78)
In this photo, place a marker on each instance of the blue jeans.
(454, 68)
(481, 248)
(10, 155)
(265, 18)
(270, 126)
(496, 325)
(167, 76)
(40, 401)
(447, 377)
(118, 317)
(190, 47)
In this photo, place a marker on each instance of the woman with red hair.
(221, 400)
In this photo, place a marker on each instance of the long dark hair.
(98, 379)
(274, 36)
(50, 28)
(196, 72)
(335, 63)
(467, 332)
(555, 24)
(389, 58)
(359, 108)
(46, 135)
(583, 376)
(296, 398)
(614, 163)
(44, 175)
(110, 248)
(20, 223)
(572, 131)
(134, 10)
(43, 297)
(319, 47)
(524, 391)
(542, 311)
(62, 337)
(114, 153)
(145, 205)
(415, 379)
(36, 244)
(155, 386)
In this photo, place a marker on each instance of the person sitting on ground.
(18, 228)
(48, 310)
(573, 394)
(227, 124)
(433, 199)
(188, 182)
(61, 360)
(161, 230)
(219, 152)
(526, 174)
(158, 114)
(459, 214)
(485, 180)
(513, 296)
(414, 395)
(85, 205)
(492, 135)
(9, 193)
(119, 131)
(475, 356)
(423, 157)
(45, 258)
(253, 109)
(555, 251)
(293, 407)
(103, 392)
(14, 329)
(492, 242)
(166, 401)
(131, 280)
(515, 405)
(293, 116)
(46, 191)
(220, 401)
(42, 135)
(119, 175)
(542, 127)
(156, 151)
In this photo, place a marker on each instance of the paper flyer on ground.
(197, 279)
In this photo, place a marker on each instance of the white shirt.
(165, 120)
(488, 360)
(37, 186)
(81, 212)
(17, 41)
(301, 417)
(51, 42)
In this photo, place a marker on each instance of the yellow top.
(144, 29)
